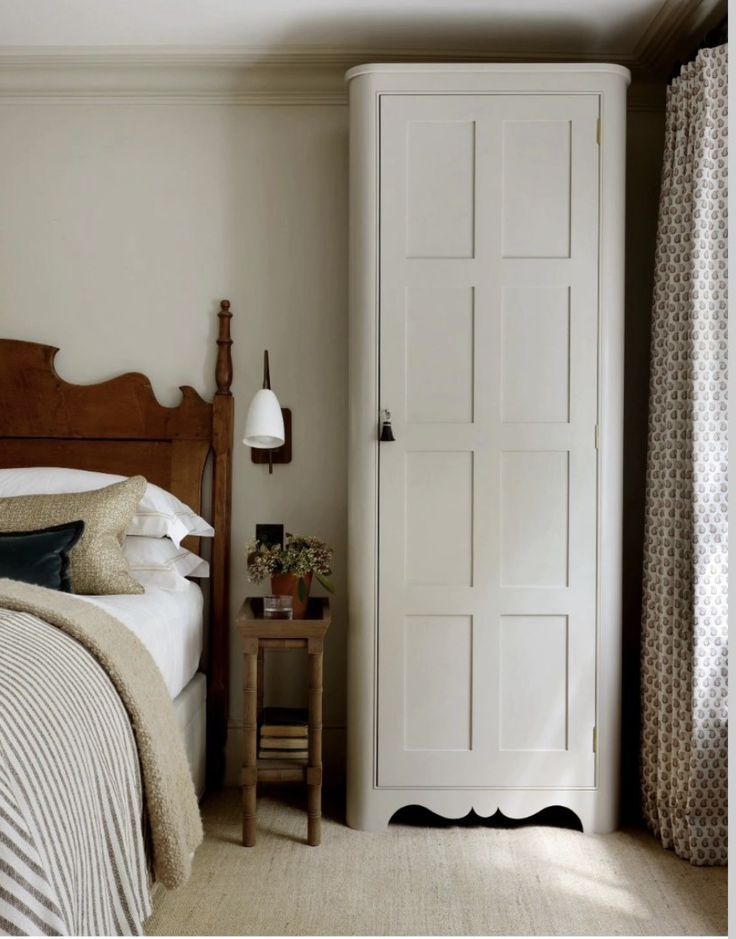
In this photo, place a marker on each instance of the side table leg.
(314, 768)
(250, 743)
(261, 684)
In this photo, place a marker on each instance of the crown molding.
(299, 75)
(174, 83)
(676, 27)
(169, 79)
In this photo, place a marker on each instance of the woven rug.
(420, 879)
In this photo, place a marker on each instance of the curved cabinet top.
(478, 77)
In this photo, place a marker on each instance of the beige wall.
(121, 225)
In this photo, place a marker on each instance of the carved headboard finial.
(224, 369)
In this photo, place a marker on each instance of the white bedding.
(169, 624)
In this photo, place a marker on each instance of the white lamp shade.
(264, 426)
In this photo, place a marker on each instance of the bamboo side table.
(258, 634)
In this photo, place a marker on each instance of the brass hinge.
(595, 740)
(598, 132)
(597, 438)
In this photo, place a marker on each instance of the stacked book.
(284, 734)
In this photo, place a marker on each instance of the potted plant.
(291, 568)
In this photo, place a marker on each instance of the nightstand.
(258, 634)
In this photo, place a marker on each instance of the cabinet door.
(487, 507)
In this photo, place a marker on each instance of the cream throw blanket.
(171, 803)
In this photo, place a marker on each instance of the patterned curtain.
(684, 643)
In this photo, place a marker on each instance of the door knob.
(387, 434)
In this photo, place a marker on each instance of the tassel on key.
(387, 433)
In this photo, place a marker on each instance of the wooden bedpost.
(219, 639)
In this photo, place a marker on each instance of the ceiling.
(644, 34)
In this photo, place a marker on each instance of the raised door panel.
(535, 327)
(438, 655)
(534, 519)
(487, 497)
(440, 203)
(438, 500)
(440, 341)
(533, 683)
(536, 188)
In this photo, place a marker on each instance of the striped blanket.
(88, 748)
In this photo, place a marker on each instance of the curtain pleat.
(684, 628)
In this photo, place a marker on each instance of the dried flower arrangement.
(300, 557)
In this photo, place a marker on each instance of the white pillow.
(159, 514)
(158, 561)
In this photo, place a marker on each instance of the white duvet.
(170, 625)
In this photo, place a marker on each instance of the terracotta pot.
(287, 585)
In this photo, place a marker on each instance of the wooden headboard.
(118, 426)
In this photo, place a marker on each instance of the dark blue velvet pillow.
(40, 557)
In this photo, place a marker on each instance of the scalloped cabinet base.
(376, 812)
(486, 251)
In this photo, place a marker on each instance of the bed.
(118, 427)
(171, 626)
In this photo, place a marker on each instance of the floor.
(423, 879)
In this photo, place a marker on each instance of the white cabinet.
(487, 316)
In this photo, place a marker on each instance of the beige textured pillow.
(98, 564)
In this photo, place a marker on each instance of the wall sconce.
(268, 425)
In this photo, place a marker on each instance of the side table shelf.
(258, 634)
